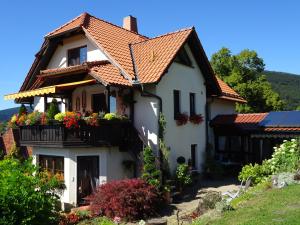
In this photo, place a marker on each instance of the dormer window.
(77, 56)
(183, 58)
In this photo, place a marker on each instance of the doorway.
(87, 177)
(99, 103)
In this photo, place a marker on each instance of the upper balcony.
(108, 133)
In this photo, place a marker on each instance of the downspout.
(149, 95)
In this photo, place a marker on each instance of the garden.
(272, 198)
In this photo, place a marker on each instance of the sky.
(270, 27)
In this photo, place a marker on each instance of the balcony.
(108, 133)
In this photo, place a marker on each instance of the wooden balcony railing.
(108, 133)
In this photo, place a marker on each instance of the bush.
(286, 158)
(22, 110)
(150, 172)
(131, 199)
(53, 109)
(26, 199)
(97, 221)
(183, 175)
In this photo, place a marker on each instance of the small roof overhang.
(48, 90)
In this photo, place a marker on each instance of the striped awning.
(47, 90)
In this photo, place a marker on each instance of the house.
(90, 65)
(250, 138)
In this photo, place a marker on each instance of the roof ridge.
(140, 35)
(166, 34)
(67, 23)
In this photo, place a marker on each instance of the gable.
(60, 57)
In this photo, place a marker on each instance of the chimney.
(130, 23)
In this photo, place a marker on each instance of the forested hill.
(288, 87)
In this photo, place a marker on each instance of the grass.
(273, 206)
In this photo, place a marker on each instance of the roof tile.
(228, 93)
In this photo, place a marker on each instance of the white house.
(92, 65)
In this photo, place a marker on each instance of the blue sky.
(270, 27)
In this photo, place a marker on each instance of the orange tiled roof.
(134, 55)
(108, 74)
(249, 121)
(281, 129)
(153, 56)
(228, 93)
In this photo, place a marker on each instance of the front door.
(87, 176)
(99, 103)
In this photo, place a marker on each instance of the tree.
(22, 110)
(150, 172)
(53, 109)
(27, 196)
(242, 72)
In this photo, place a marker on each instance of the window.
(183, 58)
(192, 104)
(176, 95)
(52, 164)
(77, 56)
(193, 156)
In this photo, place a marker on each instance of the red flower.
(196, 119)
(181, 119)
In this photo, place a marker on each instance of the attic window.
(77, 56)
(183, 58)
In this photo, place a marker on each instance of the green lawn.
(264, 207)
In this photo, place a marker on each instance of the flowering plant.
(71, 120)
(60, 117)
(181, 119)
(33, 118)
(92, 120)
(196, 119)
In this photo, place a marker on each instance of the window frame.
(192, 104)
(183, 58)
(52, 158)
(73, 49)
(176, 103)
(194, 156)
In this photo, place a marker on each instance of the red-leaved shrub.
(130, 199)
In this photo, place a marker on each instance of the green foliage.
(287, 86)
(162, 125)
(150, 172)
(15, 153)
(286, 158)
(258, 173)
(113, 116)
(53, 109)
(183, 175)
(60, 117)
(25, 198)
(3, 126)
(97, 221)
(22, 109)
(242, 72)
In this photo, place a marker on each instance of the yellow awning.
(47, 90)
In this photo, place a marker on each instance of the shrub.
(150, 172)
(22, 110)
(97, 221)
(53, 109)
(286, 158)
(258, 173)
(14, 153)
(26, 199)
(183, 175)
(128, 199)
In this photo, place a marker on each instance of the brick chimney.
(130, 23)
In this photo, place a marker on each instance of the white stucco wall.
(180, 138)
(221, 106)
(59, 58)
(146, 112)
(39, 104)
(110, 166)
(218, 107)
